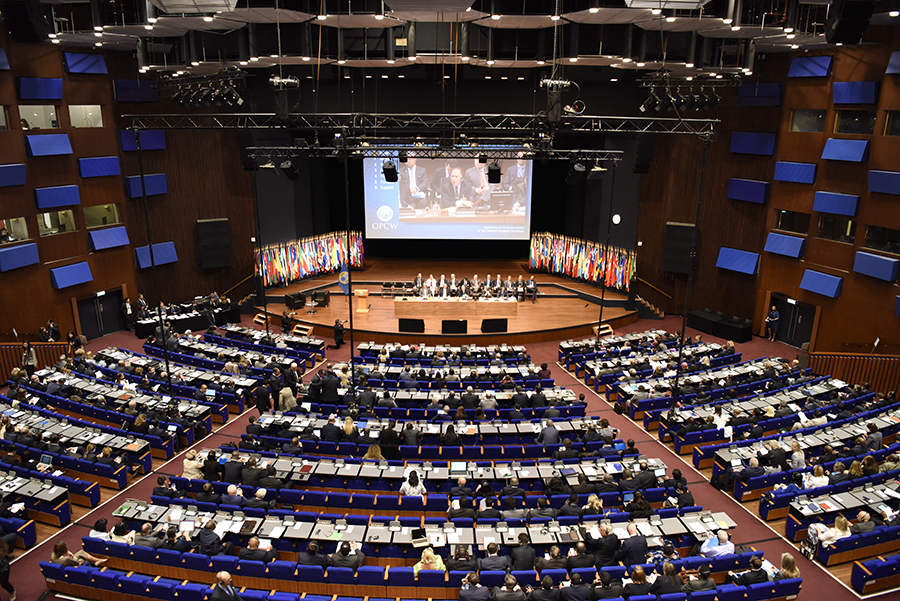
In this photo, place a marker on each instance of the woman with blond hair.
(818, 478)
(840, 530)
(594, 506)
(788, 568)
(429, 561)
(193, 466)
(856, 469)
(798, 458)
(374, 453)
(351, 432)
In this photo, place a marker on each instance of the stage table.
(453, 308)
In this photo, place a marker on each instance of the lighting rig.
(684, 93)
(219, 88)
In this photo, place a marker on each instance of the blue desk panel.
(14, 257)
(853, 151)
(111, 237)
(12, 174)
(154, 183)
(822, 283)
(56, 196)
(877, 266)
(71, 275)
(838, 204)
(48, 145)
(801, 173)
(811, 66)
(99, 166)
(743, 142)
(884, 182)
(163, 252)
(748, 190)
(789, 246)
(738, 260)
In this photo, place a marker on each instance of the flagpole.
(612, 186)
(349, 271)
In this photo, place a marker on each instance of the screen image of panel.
(448, 199)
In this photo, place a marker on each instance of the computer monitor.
(458, 467)
(627, 497)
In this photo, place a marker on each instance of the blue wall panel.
(39, 88)
(48, 145)
(752, 143)
(71, 275)
(13, 257)
(81, 62)
(894, 64)
(4, 62)
(885, 182)
(151, 139)
(135, 90)
(749, 190)
(838, 204)
(811, 66)
(163, 252)
(99, 166)
(854, 151)
(155, 183)
(822, 283)
(760, 94)
(789, 246)
(12, 174)
(801, 173)
(855, 92)
(738, 260)
(108, 238)
(877, 266)
(56, 196)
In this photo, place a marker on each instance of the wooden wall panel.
(26, 296)
(881, 372)
(46, 353)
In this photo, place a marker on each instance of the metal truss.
(366, 124)
(357, 149)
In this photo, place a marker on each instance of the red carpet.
(750, 531)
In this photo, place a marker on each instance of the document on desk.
(276, 533)
(644, 528)
(222, 528)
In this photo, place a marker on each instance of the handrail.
(238, 284)
(652, 286)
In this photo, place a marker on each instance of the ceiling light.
(98, 28)
(541, 62)
(521, 79)
(368, 77)
(745, 70)
(718, 76)
(304, 58)
(791, 36)
(465, 58)
(321, 17)
(594, 9)
(149, 27)
(379, 17)
(894, 13)
(98, 43)
(243, 63)
(554, 18)
(253, 59)
(788, 29)
(208, 19)
(495, 17)
(401, 76)
(490, 63)
(55, 40)
(413, 57)
(98, 34)
(690, 78)
(640, 64)
(735, 28)
(195, 63)
(391, 61)
(727, 21)
(341, 61)
(503, 78)
(656, 11)
(573, 59)
(626, 60)
(446, 77)
(152, 19)
(51, 35)
(670, 19)
(839, 44)
(384, 76)
(795, 46)
(487, 76)
(614, 79)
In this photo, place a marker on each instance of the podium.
(362, 303)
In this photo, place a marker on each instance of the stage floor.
(564, 309)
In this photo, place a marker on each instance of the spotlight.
(389, 169)
(178, 95)
(493, 173)
(402, 156)
(232, 97)
(482, 158)
(713, 99)
(287, 168)
(284, 82)
(578, 167)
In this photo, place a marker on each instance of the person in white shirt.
(413, 486)
(717, 545)
(840, 530)
(817, 479)
(430, 285)
(100, 530)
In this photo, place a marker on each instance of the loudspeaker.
(214, 238)
(321, 298)
(454, 326)
(412, 325)
(25, 20)
(643, 153)
(677, 247)
(493, 326)
(847, 21)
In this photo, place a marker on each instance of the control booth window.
(38, 116)
(56, 222)
(85, 115)
(855, 122)
(13, 229)
(101, 215)
(893, 124)
(883, 239)
(808, 120)
(3, 125)
(789, 221)
(837, 229)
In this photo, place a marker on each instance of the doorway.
(101, 315)
(797, 320)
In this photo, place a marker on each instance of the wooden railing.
(47, 353)
(882, 372)
(643, 281)
(238, 284)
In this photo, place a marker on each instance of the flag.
(344, 279)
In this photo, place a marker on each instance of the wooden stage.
(564, 308)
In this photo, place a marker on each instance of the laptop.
(660, 473)
(47, 459)
(627, 497)
(458, 468)
(419, 538)
(619, 446)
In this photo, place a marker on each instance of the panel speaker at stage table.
(416, 326)
(454, 326)
(677, 247)
(214, 238)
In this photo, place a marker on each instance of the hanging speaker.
(847, 21)
(677, 245)
(25, 20)
(214, 238)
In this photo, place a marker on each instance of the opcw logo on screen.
(385, 213)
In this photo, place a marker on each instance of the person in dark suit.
(576, 591)
(516, 179)
(512, 489)
(465, 510)
(471, 590)
(270, 480)
(223, 590)
(477, 177)
(865, 523)
(633, 549)
(162, 488)
(461, 490)
(330, 431)
(331, 383)
(231, 470)
(751, 471)
(462, 561)
(259, 500)
(454, 189)
(149, 538)
(211, 544)
(493, 561)
(703, 582)
(311, 556)
(250, 474)
(638, 584)
(212, 469)
(606, 587)
(581, 559)
(262, 398)
(254, 553)
(413, 184)
(208, 496)
(775, 458)
(522, 557)
(754, 575)
(343, 558)
(549, 434)
(546, 592)
(510, 590)
(604, 547)
(233, 496)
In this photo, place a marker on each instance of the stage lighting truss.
(682, 94)
(219, 89)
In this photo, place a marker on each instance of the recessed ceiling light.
(51, 35)
(791, 36)
(401, 76)
(614, 79)
(521, 78)
(795, 46)
(594, 9)
(554, 18)
(487, 76)
(735, 28)
(98, 28)
(346, 76)
(490, 63)
(243, 63)
(689, 65)
(253, 59)
(465, 58)
(208, 19)
(148, 27)
(573, 59)
(541, 62)
(304, 58)
(727, 21)
(368, 77)
(640, 64)
(152, 19)
(341, 61)
(273, 56)
(504, 78)
(788, 29)
(379, 17)
(384, 76)
(495, 17)
(446, 77)
(195, 63)
(55, 40)
(894, 13)
(748, 72)
(98, 43)
(321, 17)
(391, 61)
(718, 76)
(412, 58)
(656, 11)
(690, 78)
(839, 44)
(98, 34)
(670, 19)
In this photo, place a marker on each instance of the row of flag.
(280, 264)
(583, 260)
